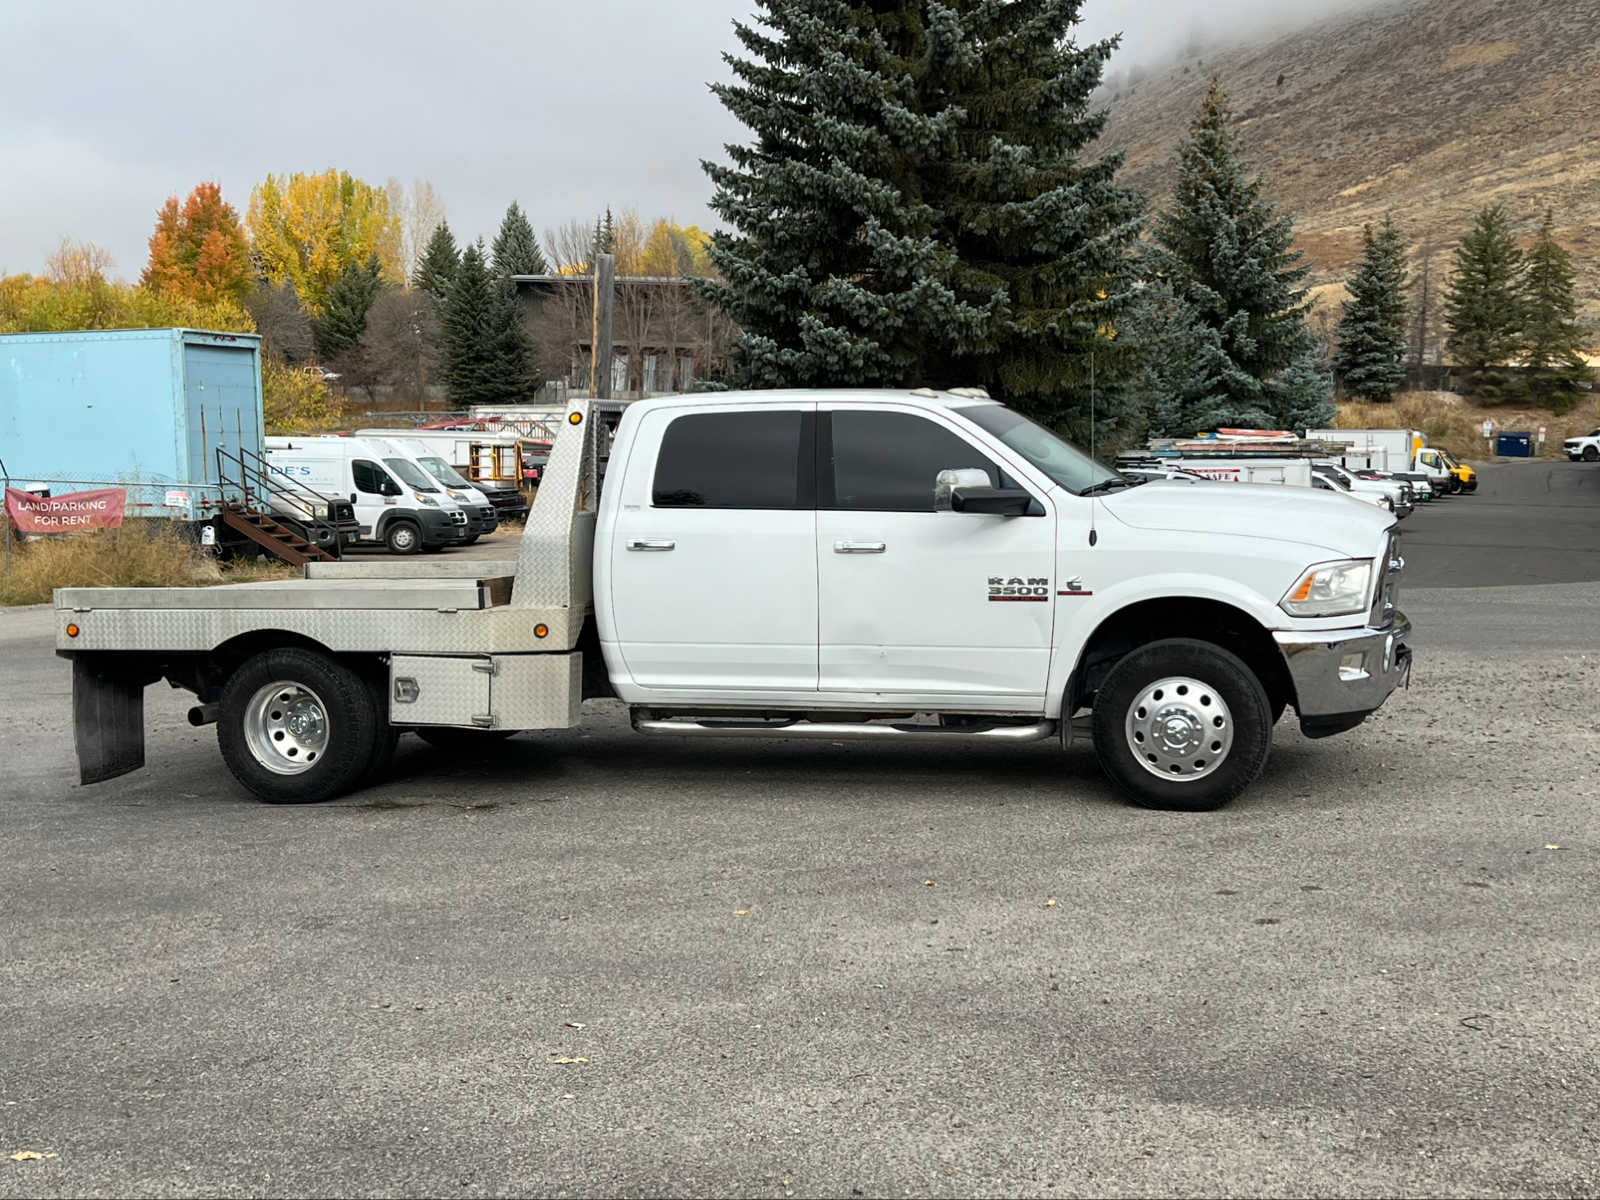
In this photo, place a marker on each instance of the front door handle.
(652, 544)
(859, 547)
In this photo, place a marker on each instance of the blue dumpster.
(1514, 445)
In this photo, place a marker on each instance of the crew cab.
(795, 564)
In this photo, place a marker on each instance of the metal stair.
(273, 536)
(253, 506)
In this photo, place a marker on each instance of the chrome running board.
(843, 732)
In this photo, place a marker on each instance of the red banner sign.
(100, 509)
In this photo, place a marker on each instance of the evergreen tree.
(1038, 235)
(1484, 308)
(1229, 256)
(1302, 393)
(516, 249)
(1373, 335)
(605, 234)
(915, 207)
(436, 269)
(1177, 382)
(1555, 366)
(470, 319)
(511, 375)
(344, 316)
(830, 265)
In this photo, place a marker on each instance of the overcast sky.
(566, 107)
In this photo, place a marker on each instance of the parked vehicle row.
(401, 502)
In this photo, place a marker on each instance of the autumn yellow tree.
(675, 250)
(199, 250)
(308, 229)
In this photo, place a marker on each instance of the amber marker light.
(540, 631)
(72, 631)
(1303, 592)
(575, 418)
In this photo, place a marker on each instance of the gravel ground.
(823, 970)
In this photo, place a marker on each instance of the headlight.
(319, 511)
(460, 496)
(428, 500)
(1330, 590)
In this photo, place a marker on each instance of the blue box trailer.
(144, 409)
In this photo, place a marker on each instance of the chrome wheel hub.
(286, 727)
(1179, 729)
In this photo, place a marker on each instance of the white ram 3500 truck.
(807, 564)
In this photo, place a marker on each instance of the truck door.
(917, 601)
(713, 554)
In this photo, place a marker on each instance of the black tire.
(1218, 672)
(343, 697)
(1590, 454)
(402, 537)
(448, 737)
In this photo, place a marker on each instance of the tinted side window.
(731, 460)
(369, 477)
(888, 462)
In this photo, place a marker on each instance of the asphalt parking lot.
(595, 964)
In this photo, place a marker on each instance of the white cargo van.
(481, 518)
(397, 503)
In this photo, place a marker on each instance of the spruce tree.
(1037, 232)
(1553, 341)
(510, 377)
(470, 367)
(1177, 380)
(1485, 305)
(1302, 393)
(1229, 256)
(516, 249)
(830, 264)
(1373, 337)
(344, 317)
(436, 269)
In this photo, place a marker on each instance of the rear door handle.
(652, 544)
(859, 547)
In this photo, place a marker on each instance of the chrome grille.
(1386, 599)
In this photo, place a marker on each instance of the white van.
(481, 518)
(489, 460)
(397, 503)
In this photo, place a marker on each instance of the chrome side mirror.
(947, 481)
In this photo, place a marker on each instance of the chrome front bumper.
(1342, 676)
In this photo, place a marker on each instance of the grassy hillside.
(1428, 109)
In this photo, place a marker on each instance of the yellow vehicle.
(1464, 473)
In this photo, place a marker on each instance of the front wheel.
(295, 727)
(403, 537)
(1182, 725)
(1590, 454)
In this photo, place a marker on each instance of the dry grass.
(139, 554)
(1455, 423)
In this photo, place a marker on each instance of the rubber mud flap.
(107, 721)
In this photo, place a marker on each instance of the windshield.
(1062, 462)
(411, 474)
(443, 472)
(1447, 460)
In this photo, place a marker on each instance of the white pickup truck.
(804, 564)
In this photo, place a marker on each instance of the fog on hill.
(1155, 32)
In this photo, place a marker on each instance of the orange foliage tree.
(199, 251)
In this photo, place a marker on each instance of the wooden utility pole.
(605, 274)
